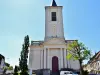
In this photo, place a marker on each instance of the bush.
(15, 73)
(24, 73)
(16, 70)
(85, 73)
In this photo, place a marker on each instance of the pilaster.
(65, 62)
(61, 51)
(48, 59)
(41, 59)
(44, 58)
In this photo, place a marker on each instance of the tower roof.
(54, 3)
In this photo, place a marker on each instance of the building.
(2, 63)
(93, 65)
(51, 53)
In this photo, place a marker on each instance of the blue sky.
(21, 17)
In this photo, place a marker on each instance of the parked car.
(9, 71)
(67, 73)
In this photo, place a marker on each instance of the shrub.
(85, 73)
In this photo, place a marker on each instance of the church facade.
(51, 53)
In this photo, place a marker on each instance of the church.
(51, 52)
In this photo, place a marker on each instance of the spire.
(54, 3)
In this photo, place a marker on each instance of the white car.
(67, 73)
(9, 71)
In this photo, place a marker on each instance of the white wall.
(49, 25)
(34, 58)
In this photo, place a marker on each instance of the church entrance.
(54, 64)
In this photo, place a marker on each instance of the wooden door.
(54, 64)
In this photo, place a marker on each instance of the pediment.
(55, 41)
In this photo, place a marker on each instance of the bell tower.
(53, 21)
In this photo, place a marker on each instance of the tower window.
(53, 16)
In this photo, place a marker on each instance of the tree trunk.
(81, 68)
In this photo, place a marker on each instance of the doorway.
(55, 64)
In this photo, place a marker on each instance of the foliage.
(7, 64)
(16, 70)
(78, 51)
(85, 72)
(10, 68)
(24, 56)
(4, 71)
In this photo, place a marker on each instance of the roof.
(54, 3)
(94, 57)
(1, 56)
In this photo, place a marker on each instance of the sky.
(19, 18)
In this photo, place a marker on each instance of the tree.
(78, 51)
(6, 67)
(10, 68)
(16, 70)
(24, 56)
(7, 64)
(4, 70)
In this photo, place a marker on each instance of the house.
(2, 63)
(93, 65)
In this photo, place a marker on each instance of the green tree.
(16, 70)
(5, 68)
(10, 68)
(78, 51)
(24, 56)
(7, 64)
